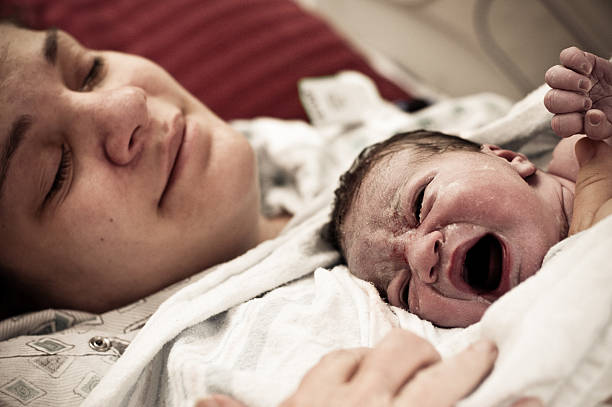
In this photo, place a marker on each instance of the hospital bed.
(243, 59)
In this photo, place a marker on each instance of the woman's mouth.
(176, 146)
(483, 268)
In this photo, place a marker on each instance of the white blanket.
(553, 332)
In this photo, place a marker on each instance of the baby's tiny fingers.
(596, 125)
(559, 77)
(561, 101)
(577, 60)
(568, 124)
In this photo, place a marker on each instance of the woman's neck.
(269, 228)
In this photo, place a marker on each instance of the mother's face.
(114, 180)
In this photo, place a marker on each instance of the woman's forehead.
(21, 56)
(13, 38)
(18, 49)
(21, 47)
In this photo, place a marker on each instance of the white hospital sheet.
(553, 332)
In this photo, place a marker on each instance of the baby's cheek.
(534, 244)
(472, 201)
(373, 258)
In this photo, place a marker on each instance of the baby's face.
(447, 236)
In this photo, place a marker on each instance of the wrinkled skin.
(422, 253)
(581, 99)
(581, 95)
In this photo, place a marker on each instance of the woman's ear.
(518, 161)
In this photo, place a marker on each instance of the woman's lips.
(175, 149)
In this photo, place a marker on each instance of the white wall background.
(467, 46)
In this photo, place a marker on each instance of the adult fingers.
(528, 402)
(559, 77)
(596, 125)
(562, 101)
(448, 381)
(567, 124)
(218, 400)
(335, 368)
(577, 60)
(325, 384)
(394, 360)
(380, 372)
(593, 191)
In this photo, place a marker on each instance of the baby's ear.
(518, 161)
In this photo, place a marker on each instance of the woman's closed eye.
(93, 75)
(63, 171)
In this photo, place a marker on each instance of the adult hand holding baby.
(581, 98)
(593, 193)
(402, 370)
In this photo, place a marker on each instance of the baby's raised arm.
(581, 95)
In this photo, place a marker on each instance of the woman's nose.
(422, 255)
(120, 119)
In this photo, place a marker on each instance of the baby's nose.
(422, 254)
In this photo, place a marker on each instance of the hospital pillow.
(240, 57)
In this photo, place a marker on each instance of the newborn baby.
(443, 227)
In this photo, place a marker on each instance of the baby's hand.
(581, 95)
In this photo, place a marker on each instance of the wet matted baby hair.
(423, 142)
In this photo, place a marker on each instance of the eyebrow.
(50, 45)
(15, 139)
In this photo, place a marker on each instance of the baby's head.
(443, 226)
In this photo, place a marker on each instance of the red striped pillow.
(242, 58)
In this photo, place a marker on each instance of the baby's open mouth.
(483, 266)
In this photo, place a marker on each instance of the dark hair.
(7, 294)
(13, 14)
(424, 142)
(11, 299)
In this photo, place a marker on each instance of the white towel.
(554, 335)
